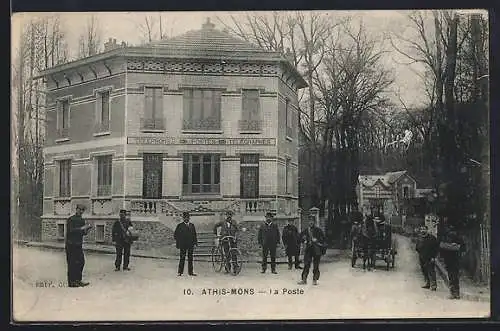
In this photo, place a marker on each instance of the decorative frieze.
(244, 68)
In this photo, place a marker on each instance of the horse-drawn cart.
(380, 246)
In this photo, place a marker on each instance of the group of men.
(186, 240)
(268, 239)
(75, 230)
(450, 248)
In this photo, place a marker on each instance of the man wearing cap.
(315, 247)
(123, 241)
(185, 239)
(75, 230)
(227, 228)
(451, 249)
(269, 238)
(427, 248)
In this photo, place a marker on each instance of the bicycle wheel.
(236, 261)
(217, 258)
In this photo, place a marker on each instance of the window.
(287, 176)
(102, 112)
(250, 117)
(63, 120)
(104, 173)
(201, 174)
(152, 176)
(406, 192)
(249, 175)
(61, 227)
(99, 233)
(153, 109)
(288, 118)
(202, 110)
(65, 178)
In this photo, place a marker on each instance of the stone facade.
(81, 134)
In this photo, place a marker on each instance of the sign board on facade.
(200, 141)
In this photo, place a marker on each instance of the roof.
(209, 41)
(206, 43)
(386, 179)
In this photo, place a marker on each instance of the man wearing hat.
(315, 247)
(269, 238)
(185, 239)
(227, 228)
(291, 240)
(122, 239)
(75, 230)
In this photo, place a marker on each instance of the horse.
(368, 238)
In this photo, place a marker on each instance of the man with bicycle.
(227, 228)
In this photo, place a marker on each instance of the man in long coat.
(75, 230)
(269, 238)
(291, 240)
(186, 240)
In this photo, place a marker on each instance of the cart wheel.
(217, 258)
(235, 254)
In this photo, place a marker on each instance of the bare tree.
(154, 27)
(42, 44)
(89, 42)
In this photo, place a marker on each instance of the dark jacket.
(449, 254)
(74, 235)
(427, 247)
(269, 235)
(117, 232)
(226, 230)
(355, 232)
(185, 235)
(318, 247)
(290, 236)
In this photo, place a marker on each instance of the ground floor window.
(152, 175)
(249, 175)
(65, 178)
(99, 233)
(104, 173)
(201, 174)
(60, 231)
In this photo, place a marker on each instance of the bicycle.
(233, 258)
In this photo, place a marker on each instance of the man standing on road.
(75, 230)
(227, 228)
(269, 238)
(315, 246)
(122, 239)
(291, 241)
(451, 248)
(427, 248)
(186, 240)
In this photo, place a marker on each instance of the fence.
(485, 240)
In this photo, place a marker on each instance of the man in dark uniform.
(452, 247)
(75, 230)
(315, 246)
(185, 238)
(121, 238)
(428, 248)
(269, 238)
(227, 228)
(290, 237)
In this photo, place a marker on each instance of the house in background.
(203, 122)
(393, 194)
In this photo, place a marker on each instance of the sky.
(126, 27)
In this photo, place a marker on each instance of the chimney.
(110, 44)
(208, 25)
